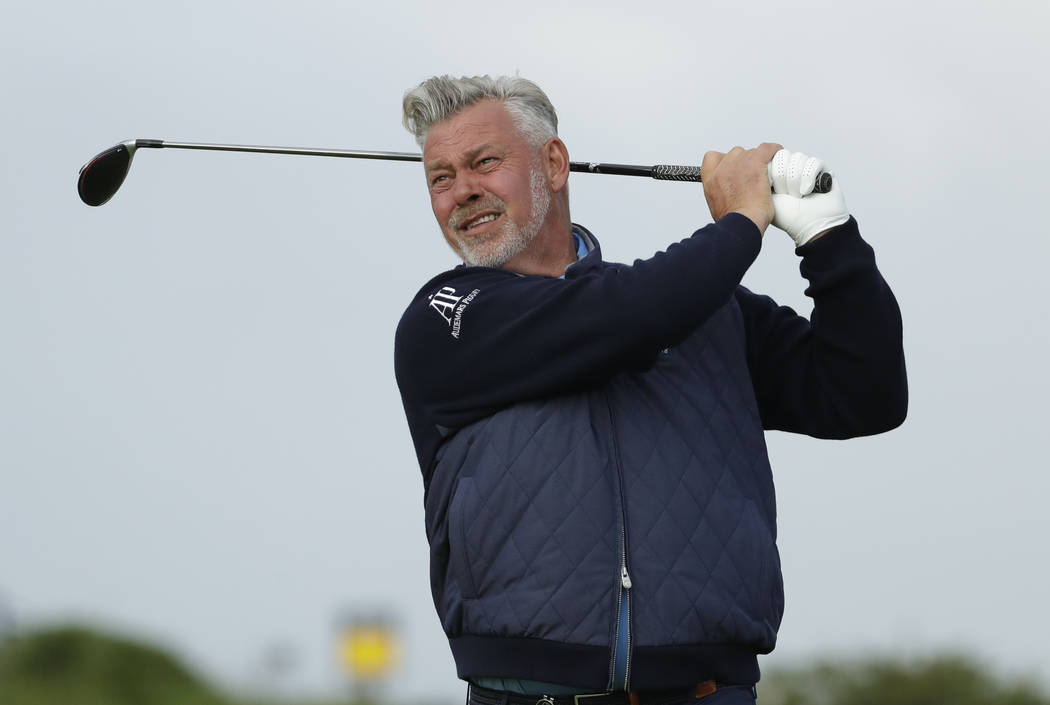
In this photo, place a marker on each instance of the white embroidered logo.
(450, 307)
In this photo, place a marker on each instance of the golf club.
(102, 176)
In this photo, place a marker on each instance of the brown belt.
(483, 696)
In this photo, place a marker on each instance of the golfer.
(599, 501)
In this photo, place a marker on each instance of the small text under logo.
(450, 307)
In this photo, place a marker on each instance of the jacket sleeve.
(476, 340)
(840, 374)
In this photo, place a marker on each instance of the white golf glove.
(796, 209)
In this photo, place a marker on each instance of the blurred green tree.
(954, 679)
(79, 666)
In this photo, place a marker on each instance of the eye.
(487, 161)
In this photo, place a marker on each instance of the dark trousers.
(724, 695)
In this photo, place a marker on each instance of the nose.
(467, 188)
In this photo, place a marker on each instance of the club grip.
(670, 172)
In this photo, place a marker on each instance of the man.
(599, 502)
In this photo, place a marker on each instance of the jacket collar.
(592, 260)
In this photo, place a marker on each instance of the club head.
(102, 176)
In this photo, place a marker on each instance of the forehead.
(484, 123)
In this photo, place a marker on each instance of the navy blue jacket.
(584, 436)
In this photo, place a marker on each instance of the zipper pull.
(625, 579)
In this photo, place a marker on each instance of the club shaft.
(663, 171)
(304, 151)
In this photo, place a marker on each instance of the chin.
(495, 250)
(487, 257)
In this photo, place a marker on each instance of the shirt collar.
(593, 256)
(582, 248)
(583, 245)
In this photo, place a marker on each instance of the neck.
(552, 250)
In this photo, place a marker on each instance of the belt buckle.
(577, 698)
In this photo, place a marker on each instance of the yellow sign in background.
(368, 650)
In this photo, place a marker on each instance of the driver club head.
(102, 176)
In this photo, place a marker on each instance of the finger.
(711, 161)
(766, 150)
(808, 177)
(778, 171)
(735, 155)
(794, 172)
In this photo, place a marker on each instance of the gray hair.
(438, 98)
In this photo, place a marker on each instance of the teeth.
(485, 219)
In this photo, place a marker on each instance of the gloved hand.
(796, 209)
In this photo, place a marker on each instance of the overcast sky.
(201, 440)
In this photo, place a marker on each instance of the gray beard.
(510, 240)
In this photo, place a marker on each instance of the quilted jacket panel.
(534, 526)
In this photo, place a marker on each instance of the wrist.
(833, 240)
(758, 216)
(813, 230)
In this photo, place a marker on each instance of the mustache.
(464, 214)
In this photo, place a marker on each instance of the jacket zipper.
(620, 665)
(622, 652)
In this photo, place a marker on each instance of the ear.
(556, 161)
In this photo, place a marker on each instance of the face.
(488, 189)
